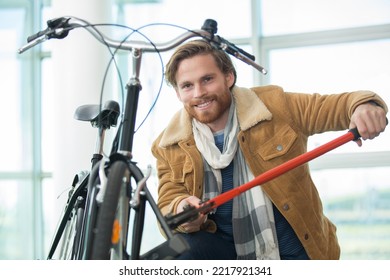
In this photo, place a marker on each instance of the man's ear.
(230, 79)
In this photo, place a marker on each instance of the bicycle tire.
(67, 230)
(89, 219)
(68, 238)
(102, 240)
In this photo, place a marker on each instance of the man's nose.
(199, 91)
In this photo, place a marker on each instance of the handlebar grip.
(248, 55)
(37, 35)
(232, 49)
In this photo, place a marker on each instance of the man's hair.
(198, 47)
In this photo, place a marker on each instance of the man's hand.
(370, 121)
(194, 225)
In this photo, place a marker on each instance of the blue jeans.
(208, 246)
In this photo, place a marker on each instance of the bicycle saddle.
(99, 116)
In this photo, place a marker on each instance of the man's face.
(204, 90)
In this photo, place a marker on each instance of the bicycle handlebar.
(59, 28)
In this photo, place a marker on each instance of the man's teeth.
(203, 104)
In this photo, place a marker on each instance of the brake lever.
(56, 28)
(210, 26)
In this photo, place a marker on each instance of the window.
(300, 16)
(20, 238)
(335, 68)
(307, 46)
(333, 47)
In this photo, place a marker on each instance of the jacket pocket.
(180, 170)
(279, 144)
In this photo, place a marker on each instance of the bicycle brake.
(134, 202)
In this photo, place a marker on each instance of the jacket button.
(286, 207)
(306, 236)
(279, 147)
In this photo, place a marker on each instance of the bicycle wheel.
(67, 232)
(108, 229)
(72, 232)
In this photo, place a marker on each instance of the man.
(226, 135)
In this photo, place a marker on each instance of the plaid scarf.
(253, 221)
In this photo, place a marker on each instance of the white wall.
(80, 62)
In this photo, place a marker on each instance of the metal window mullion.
(347, 35)
(351, 160)
(34, 73)
(257, 42)
(23, 175)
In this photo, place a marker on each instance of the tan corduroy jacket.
(274, 128)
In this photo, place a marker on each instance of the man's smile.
(204, 105)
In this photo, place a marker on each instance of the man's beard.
(209, 116)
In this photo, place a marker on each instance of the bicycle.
(100, 228)
(106, 236)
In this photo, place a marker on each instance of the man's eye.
(208, 79)
(185, 86)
